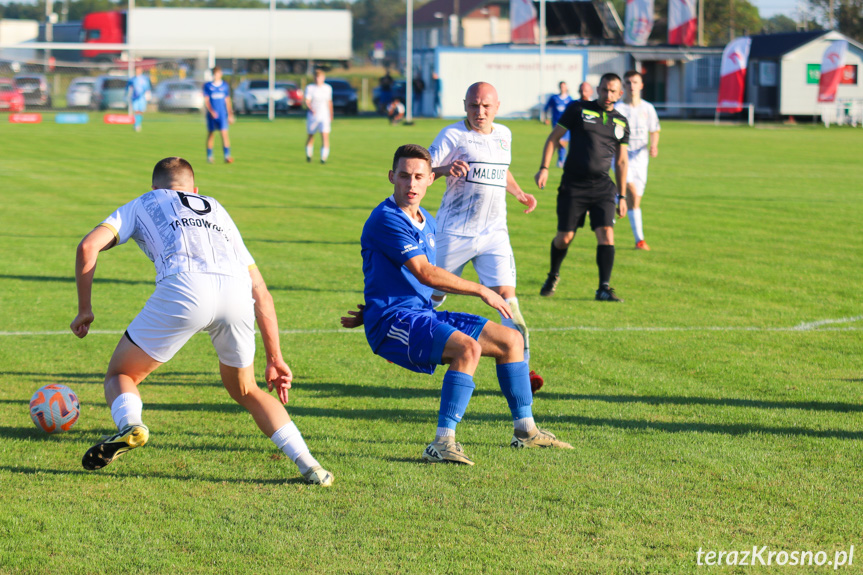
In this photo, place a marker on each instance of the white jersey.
(476, 202)
(320, 98)
(182, 232)
(642, 121)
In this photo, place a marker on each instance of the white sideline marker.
(810, 326)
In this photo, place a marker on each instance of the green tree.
(777, 24)
(377, 20)
(848, 16)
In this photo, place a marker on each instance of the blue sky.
(768, 8)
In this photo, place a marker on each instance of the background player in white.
(206, 280)
(474, 154)
(585, 92)
(319, 118)
(643, 145)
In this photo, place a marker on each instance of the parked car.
(180, 95)
(344, 96)
(110, 93)
(11, 98)
(294, 99)
(399, 90)
(80, 92)
(251, 96)
(36, 90)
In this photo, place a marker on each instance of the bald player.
(474, 155)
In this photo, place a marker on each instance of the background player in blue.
(138, 89)
(220, 113)
(556, 105)
(398, 249)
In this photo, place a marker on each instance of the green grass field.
(719, 408)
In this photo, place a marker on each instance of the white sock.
(126, 410)
(290, 441)
(325, 154)
(635, 224)
(309, 151)
(524, 424)
(443, 433)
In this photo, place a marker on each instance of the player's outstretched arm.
(354, 318)
(458, 169)
(440, 279)
(96, 241)
(513, 188)
(277, 372)
(551, 143)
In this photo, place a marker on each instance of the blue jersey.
(557, 104)
(217, 96)
(389, 239)
(138, 87)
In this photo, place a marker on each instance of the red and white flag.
(682, 23)
(732, 74)
(639, 22)
(523, 22)
(832, 68)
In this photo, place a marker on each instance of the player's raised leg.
(128, 367)
(513, 375)
(462, 352)
(272, 419)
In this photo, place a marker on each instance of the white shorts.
(315, 125)
(490, 253)
(636, 174)
(187, 303)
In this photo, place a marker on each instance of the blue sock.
(138, 121)
(227, 152)
(209, 153)
(454, 397)
(514, 380)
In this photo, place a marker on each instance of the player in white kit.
(474, 154)
(643, 145)
(206, 280)
(319, 117)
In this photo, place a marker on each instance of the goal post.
(686, 111)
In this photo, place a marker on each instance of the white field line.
(820, 325)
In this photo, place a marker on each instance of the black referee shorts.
(574, 202)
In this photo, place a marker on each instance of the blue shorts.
(565, 138)
(217, 124)
(415, 339)
(139, 104)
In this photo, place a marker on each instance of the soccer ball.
(54, 408)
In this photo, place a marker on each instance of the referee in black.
(598, 134)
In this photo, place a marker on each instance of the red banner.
(119, 119)
(732, 79)
(25, 118)
(682, 22)
(832, 70)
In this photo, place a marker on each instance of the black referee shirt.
(594, 135)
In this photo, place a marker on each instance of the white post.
(541, 53)
(409, 64)
(271, 104)
(130, 55)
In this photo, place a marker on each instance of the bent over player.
(206, 280)
(398, 249)
(474, 154)
(643, 145)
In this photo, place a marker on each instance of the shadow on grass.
(132, 473)
(724, 402)
(203, 378)
(71, 279)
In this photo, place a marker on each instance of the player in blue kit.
(220, 113)
(398, 249)
(557, 104)
(138, 89)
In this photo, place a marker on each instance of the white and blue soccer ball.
(54, 408)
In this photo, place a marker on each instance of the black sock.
(604, 261)
(557, 256)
